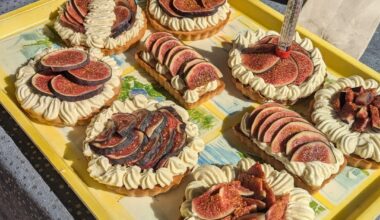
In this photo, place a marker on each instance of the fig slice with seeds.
(272, 130)
(279, 141)
(201, 74)
(260, 118)
(81, 6)
(259, 58)
(305, 67)
(165, 47)
(63, 60)
(66, 21)
(169, 55)
(301, 138)
(66, 90)
(314, 151)
(180, 58)
(74, 13)
(122, 21)
(212, 3)
(94, 73)
(187, 65)
(152, 38)
(40, 83)
(156, 45)
(107, 133)
(284, 72)
(124, 123)
(166, 6)
(112, 145)
(191, 8)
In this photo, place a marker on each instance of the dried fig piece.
(347, 113)
(338, 100)
(375, 116)
(365, 98)
(362, 113)
(360, 124)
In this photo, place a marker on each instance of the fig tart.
(141, 147)
(182, 71)
(260, 74)
(188, 19)
(247, 191)
(282, 138)
(112, 26)
(66, 87)
(347, 111)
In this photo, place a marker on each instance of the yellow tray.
(63, 150)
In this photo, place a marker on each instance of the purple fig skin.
(87, 82)
(71, 98)
(123, 24)
(152, 38)
(202, 12)
(81, 6)
(180, 58)
(102, 149)
(213, 73)
(43, 66)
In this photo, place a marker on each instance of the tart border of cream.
(129, 180)
(52, 110)
(204, 31)
(312, 175)
(280, 181)
(362, 148)
(256, 89)
(109, 45)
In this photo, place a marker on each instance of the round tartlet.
(54, 111)
(132, 180)
(97, 26)
(187, 27)
(362, 148)
(256, 88)
(281, 184)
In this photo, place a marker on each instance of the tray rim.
(68, 174)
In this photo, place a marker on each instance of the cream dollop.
(98, 27)
(51, 108)
(288, 92)
(281, 183)
(366, 144)
(188, 24)
(134, 177)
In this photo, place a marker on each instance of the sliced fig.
(156, 45)
(95, 73)
(365, 98)
(256, 170)
(260, 118)
(252, 183)
(143, 118)
(153, 37)
(148, 152)
(375, 116)
(314, 151)
(192, 8)
(63, 60)
(303, 137)
(81, 6)
(114, 144)
(130, 151)
(124, 123)
(362, 113)
(122, 22)
(74, 13)
(165, 47)
(107, 133)
(213, 3)
(187, 65)
(347, 113)
(166, 6)
(260, 108)
(349, 95)
(216, 203)
(270, 198)
(358, 90)
(66, 21)
(286, 132)
(201, 74)
(272, 118)
(305, 67)
(169, 55)
(338, 100)
(273, 129)
(181, 57)
(157, 124)
(259, 204)
(277, 210)
(40, 83)
(259, 58)
(66, 90)
(130, 4)
(283, 73)
(360, 124)
(376, 101)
